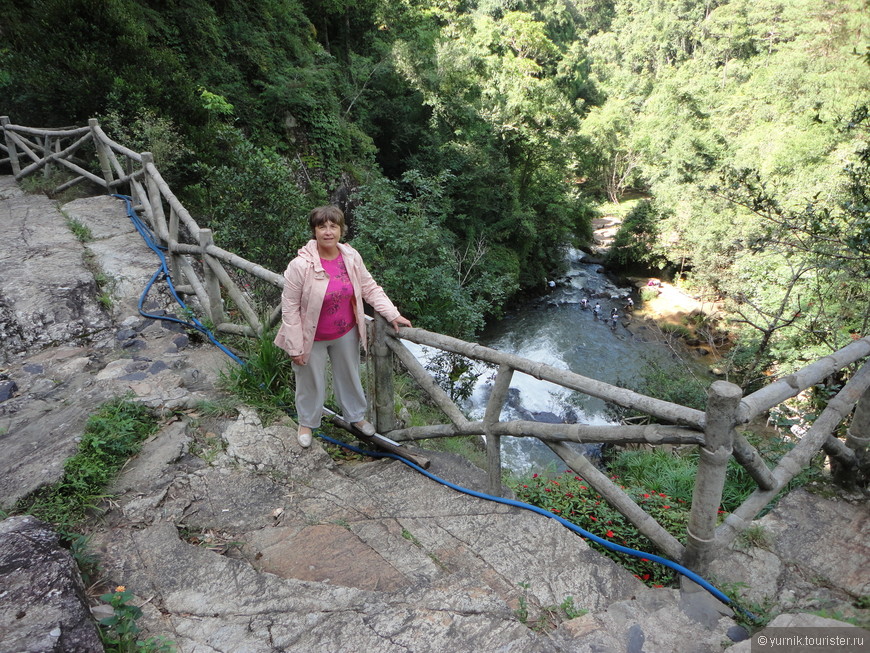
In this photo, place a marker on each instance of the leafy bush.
(404, 223)
(569, 497)
(637, 237)
(254, 205)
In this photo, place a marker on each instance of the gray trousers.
(343, 353)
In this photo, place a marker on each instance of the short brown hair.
(324, 214)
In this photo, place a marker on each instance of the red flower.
(609, 534)
(546, 489)
(583, 487)
(658, 585)
(525, 486)
(662, 494)
(577, 478)
(554, 482)
(665, 507)
(534, 476)
(555, 510)
(646, 496)
(593, 518)
(645, 577)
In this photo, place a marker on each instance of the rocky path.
(232, 538)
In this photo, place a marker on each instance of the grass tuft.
(111, 437)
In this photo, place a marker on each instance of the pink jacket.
(305, 283)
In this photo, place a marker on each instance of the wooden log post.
(158, 217)
(102, 155)
(175, 258)
(491, 417)
(723, 402)
(10, 145)
(382, 364)
(858, 435)
(212, 283)
(46, 152)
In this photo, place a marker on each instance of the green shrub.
(569, 497)
(266, 381)
(111, 437)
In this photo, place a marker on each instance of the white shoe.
(303, 435)
(365, 427)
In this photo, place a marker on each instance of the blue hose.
(163, 270)
(688, 573)
(196, 324)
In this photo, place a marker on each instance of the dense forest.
(471, 142)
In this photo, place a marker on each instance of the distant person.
(596, 310)
(584, 303)
(629, 304)
(614, 318)
(322, 317)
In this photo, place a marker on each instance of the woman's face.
(327, 235)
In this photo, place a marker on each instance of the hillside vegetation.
(471, 142)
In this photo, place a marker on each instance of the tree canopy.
(470, 142)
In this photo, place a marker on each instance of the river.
(556, 330)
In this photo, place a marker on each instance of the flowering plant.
(573, 499)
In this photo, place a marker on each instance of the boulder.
(43, 606)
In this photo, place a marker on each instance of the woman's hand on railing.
(403, 321)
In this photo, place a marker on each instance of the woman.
(322, 316)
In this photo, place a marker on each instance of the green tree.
(637, 239)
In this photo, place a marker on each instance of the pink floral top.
(336, 315)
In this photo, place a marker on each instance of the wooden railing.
(714, 431)
(125, 171)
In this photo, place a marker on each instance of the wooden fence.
(714, 431)
(123, 171)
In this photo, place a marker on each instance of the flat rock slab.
(796, 565)
(47, 293)
(282, 549)
(117, 248)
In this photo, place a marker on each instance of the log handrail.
(713, 431)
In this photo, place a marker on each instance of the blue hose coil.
(148, 237)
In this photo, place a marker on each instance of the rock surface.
(233, 538)
(44, 607)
